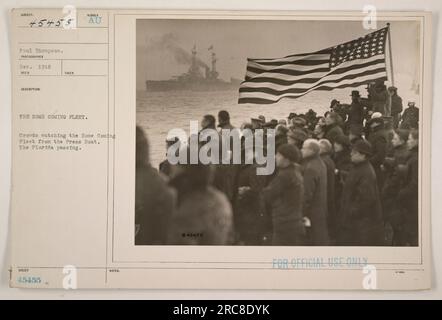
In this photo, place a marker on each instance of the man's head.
(392, 90)
(296, 137)
(379, 83)
(197, 176)
(334, 103)
(376, 123)
(332, 118)
(355, 96)
(246, 125)
(341, 143)
(310, 148)
(319, 129)
(325, 147)
(281, 130)
(208, 122)
(376, 115)
(400, 137)
(299, 122)
(412, 104)
(286, 155)
(256, 123)
(413, 139)
(361, 151)
(271, 124)
(223, 117)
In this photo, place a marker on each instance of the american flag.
(350, 64)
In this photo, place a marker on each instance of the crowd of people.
(345, 178)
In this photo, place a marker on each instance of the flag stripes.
(350, 64)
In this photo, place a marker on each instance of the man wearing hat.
(291, 116)
(315, 193)
(280, 135)
(379, 97)
(251, 224)
(271, 124)
(341, 157)
(154, 198)
(332, 128)
(343, 164)
(394, 173)
(224, 120)
(370, 120)
(296, 137)
(299, 123)
(310, 118)
(408, 197)
(355, 133)
(256, 123)
(410, 117)
(326, 150)
(357, 112)
(378, 140)
(361, 211)
(395, 106)
(335, 106)
(284, 195)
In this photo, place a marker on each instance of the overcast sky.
(234, 41)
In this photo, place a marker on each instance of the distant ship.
(194, 80)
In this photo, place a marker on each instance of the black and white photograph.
(277, 132)
(246, 150)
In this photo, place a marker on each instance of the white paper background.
(5, 146)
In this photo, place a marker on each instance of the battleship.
(194, 79)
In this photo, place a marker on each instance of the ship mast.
(193, 70)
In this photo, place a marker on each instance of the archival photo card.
(222, 150)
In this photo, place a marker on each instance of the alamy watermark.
(228, 146)
(370, 21)
(70, 278)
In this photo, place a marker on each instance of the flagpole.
(391, 54)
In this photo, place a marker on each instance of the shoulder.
(335, 129)
(283, 175)
(413, 157)
(314, 166)
(298, 172)
(151, 175)
(216, 197)
(203, 202)
(367, 171)
(402, 153)
(378, 136)
(320, 162)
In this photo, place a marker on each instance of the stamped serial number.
(29, 279)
